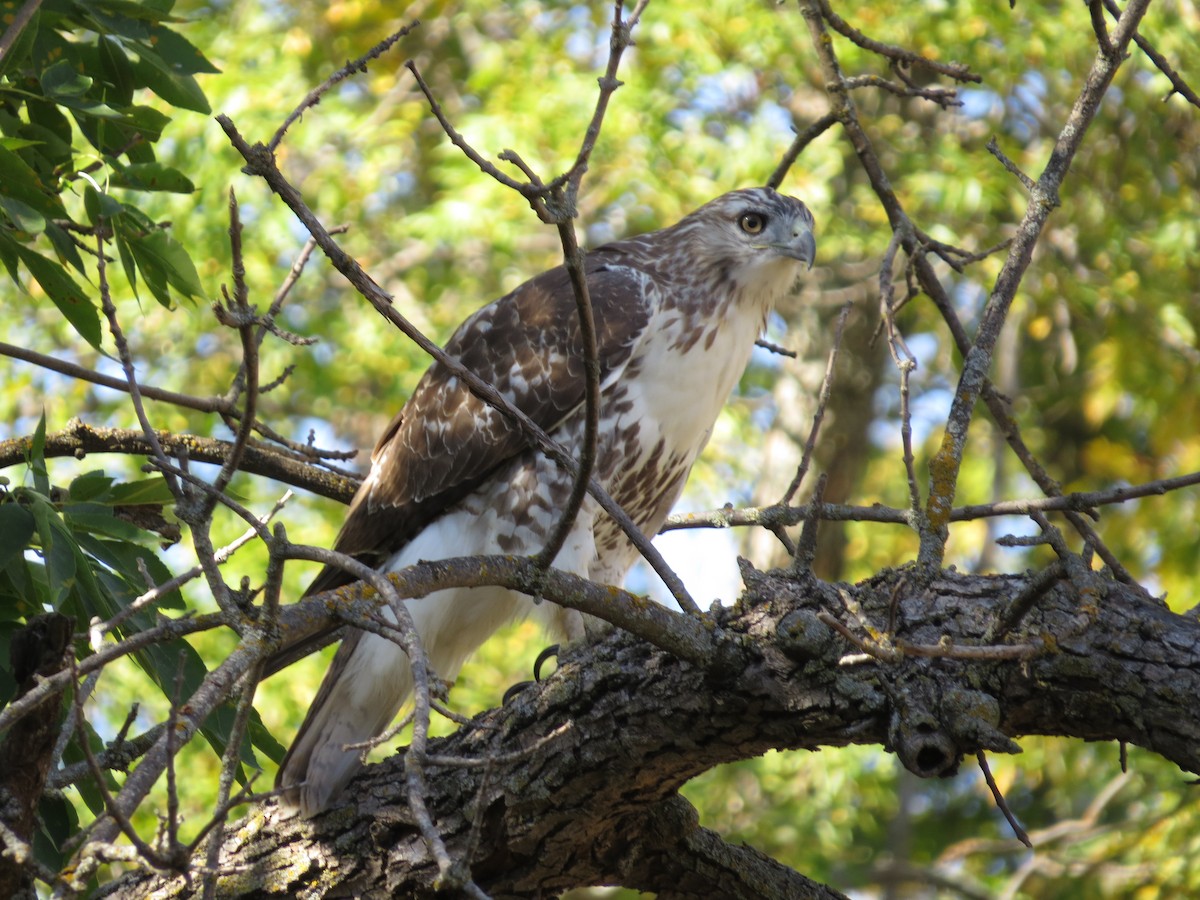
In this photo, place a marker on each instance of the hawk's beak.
(802, 246)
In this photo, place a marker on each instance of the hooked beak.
(802, 246)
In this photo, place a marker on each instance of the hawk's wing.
(445, 442)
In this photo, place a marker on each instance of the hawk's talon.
(551, 651)
(514, 690)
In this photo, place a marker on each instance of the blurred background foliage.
(1100, 356)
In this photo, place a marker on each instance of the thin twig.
(573, 259)
(120, 821)
(485, 166)
(351, 68)
(728, 517)
(620, 40)
(802, 140)
(1178, 85)
(238, 314)
(563, 208)
(775, 348)
(810, 444)
(187, 401)
(957, 71)
(1001, 803)
(1100, 27)
(994, 148)
(135, 392)
(905, 362)
(943, 97)
(1020, 605)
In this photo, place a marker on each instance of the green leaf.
(37, 457)
(99, 205)
(264, 740)
(23, 216)
(58, 553)
(152, 177)
(93, 108)
(70, 299)
(66, 247)
(63, 80)
(127, 262)
(9, 256)
(125, 559)
(179, 54)
(16, 528)
(57, 823)
(149, 491)
(22, 183)
(178, 90)
(22, 594)
(98, 519)
(162, 261)
(117, 69)
(89, 486)
(16, 143)
(18, 53)
(150, 124)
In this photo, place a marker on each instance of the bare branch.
(351, 68)
(78, 439)
(822, 401)
(1001, 803)
(945, 464)
(135, 395)
(802, 140)
(994, 149)
(957, 71)
(187, 401)
(943, 97)
(1178, 85)
(1074, 503)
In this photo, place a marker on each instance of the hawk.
(677, 312)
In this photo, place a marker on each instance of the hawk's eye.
(752, 222)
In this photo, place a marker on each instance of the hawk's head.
(753, 237)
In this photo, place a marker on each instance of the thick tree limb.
(629, 724)
(79, 439)
(39, 649)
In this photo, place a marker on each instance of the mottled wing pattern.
(446, 441)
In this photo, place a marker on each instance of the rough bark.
(623, 725)
(26, 753)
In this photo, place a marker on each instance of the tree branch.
(78, 439)
(790, 693)
(945, 464)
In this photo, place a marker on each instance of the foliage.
(102, 138)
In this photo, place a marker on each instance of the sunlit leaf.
(67, 295)
(16, 528)
(62, 81)
(152, 177)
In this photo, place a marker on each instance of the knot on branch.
(932, 726)
(918, 738)
(803, 637)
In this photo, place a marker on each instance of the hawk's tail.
(366, 685)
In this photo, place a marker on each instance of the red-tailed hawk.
(677, 312)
